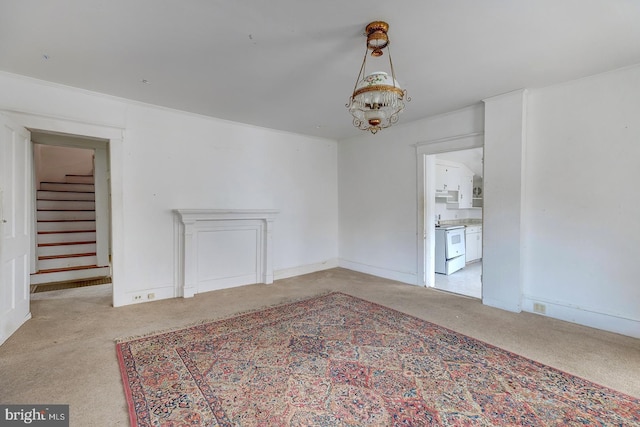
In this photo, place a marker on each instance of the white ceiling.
(292, 64)
(472, 158)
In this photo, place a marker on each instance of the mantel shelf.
(190, 215)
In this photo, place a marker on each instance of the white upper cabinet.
(454, 181)
(465, 193)
(447, 177)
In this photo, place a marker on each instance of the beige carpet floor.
(66, 352)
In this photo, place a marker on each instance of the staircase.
(66, 231)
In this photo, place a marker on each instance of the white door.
(15, 226)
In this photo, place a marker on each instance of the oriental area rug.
(337, 360)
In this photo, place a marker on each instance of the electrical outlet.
(151, 296)
(137, 297)
(539, 308)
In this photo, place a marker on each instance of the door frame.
(115, 137)
(425, 158)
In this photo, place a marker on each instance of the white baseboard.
(400, 276)
(501, 305)
(587, 317)
(305, 269)
(144, 295)
(166, 292)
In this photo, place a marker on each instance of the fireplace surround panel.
(219, 249)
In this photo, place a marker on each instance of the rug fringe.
(217, 319)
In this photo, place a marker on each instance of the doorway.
(426, 194)
(17, 222)
(71, 211)
(458, 204)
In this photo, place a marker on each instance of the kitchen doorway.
(460, 211)
(458, 203)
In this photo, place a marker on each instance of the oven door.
(455, 243)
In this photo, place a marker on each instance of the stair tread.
(64, 200)
(64, 182)
(65, 210)
(66, 231)
(66, 220)
(66, 256)
(70, 191)
(68, 187)
(88, 242)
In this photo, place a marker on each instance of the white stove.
(450, 248)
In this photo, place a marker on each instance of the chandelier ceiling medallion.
(377, 98)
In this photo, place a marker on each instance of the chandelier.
(377, 98)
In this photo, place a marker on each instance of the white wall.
(502, 230)
(53, 163)
(172, 160)
(196, 163)
(579, 227)
(582, 211)
(580, 214)
(454, 214)
(378, 193)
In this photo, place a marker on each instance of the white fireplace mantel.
(221, 248)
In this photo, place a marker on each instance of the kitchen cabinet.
(447, 178)
(465, 192)
(454, 185)
(473, 239)
(477, 192)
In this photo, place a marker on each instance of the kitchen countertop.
(462, 222)
(448, 227)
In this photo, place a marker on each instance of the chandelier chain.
(362, 70)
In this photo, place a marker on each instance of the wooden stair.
(66, 231)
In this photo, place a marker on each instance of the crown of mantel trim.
(191, 215)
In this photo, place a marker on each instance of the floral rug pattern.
(337, 360)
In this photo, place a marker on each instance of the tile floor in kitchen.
(466, 281)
